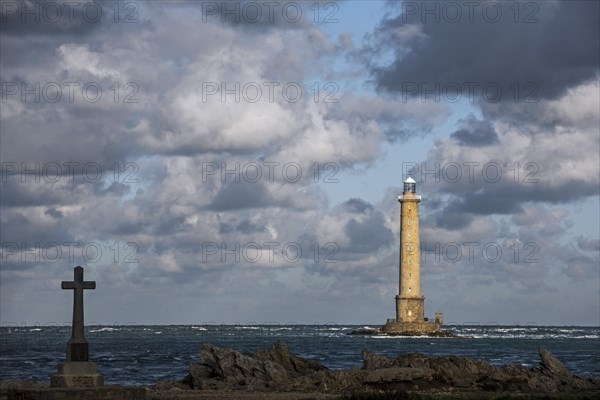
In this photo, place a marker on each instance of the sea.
(135, 355)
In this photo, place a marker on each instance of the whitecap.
(105, 329)
(200, 328)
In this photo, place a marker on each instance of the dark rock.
(373, 361)
(274, 368)
(281, 355)
(399, 374)
(171, 385)
(461, 371)
(338, 381)
(413, 360)
(236, 368)
(21, 384)
(197, 375)
(557, 375)
(551, 365)
(277, 368)
(7, 385)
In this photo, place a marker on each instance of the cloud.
(582, 267)
(245, 195)
(523, 164)
(475, 133)
(589, 244)
(156, 202)
(355, 226)
(480, 47)
(37, 17)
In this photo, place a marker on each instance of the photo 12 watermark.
(268, 252)
(65, 12)
(254, 12)
(53, 252)
(270, 91)
(453, 92)
(269, 172)
(454, 12)
(69, 171)
(472, 252)
(472, 171)
(53, 92)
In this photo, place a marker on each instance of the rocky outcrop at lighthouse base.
(410, 329)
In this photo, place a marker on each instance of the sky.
(237, 162)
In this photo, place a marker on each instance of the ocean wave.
(397, 337)
(332, 329)
(532, 336)
(199, 328)
(105, 329)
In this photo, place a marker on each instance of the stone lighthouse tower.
(410, 302)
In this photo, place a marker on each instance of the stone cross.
(77, 347)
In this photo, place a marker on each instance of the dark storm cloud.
(127, 227)
(245, 227)
(35, 188)
(475, 133)
(28, 228)
(364, 225)
(358, 206)
(65, 18)
(53, 212)
(76, 139)
(14, 193)
(487, 202)
(368, 235)
(225, 228)
(242, 195)
(506, 198)
(451, 219)
(557, 50)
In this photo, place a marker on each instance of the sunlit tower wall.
(410, 302)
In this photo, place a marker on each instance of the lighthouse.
(410, 302)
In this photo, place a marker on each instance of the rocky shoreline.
(276, 373)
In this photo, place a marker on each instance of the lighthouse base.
(410, 321)
(411, 328)
(410, 309)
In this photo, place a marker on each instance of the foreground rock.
(33, 390)
(278, 369)
(410, 371)
(274, 368)
(277, 374)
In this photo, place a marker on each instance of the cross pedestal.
(77, 371)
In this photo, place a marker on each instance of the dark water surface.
(143, 355)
